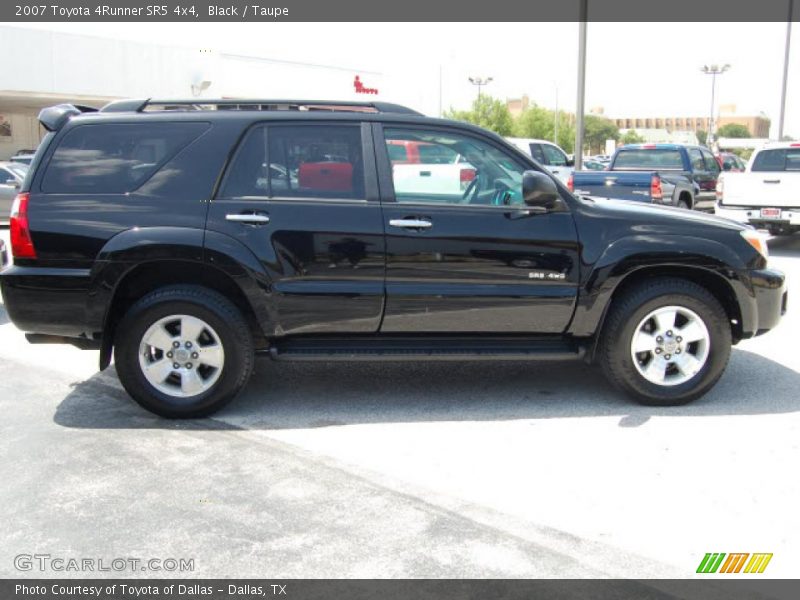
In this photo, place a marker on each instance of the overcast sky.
(633, 69)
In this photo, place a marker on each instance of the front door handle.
(250, 218)
(772, 181)
(411, 223)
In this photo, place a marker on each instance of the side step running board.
(425, 348)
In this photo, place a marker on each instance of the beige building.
(757, 125)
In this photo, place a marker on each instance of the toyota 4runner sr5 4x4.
(185, 237)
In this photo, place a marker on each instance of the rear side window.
(301, 161)
(536, 153)
(115, 158)
(555, 158)
(649, 159)
(777, 159)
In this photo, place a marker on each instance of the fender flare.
(133, 248)
(636, 253)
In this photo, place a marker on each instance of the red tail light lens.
(467, 175)
(21, 242)
(655, 188)
(571, 184)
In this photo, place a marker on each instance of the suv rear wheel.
(183, 351)
(666, 343)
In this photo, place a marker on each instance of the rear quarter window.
(649, 159)
(777, 159)
(114, 158)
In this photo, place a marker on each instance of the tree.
(702, 136)
(539, 123)
(631, 137)
(597, 130)
(733, 130)
(486, 112)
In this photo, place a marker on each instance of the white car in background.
(553, 158)
(767, 193)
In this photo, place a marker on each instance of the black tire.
(195, 301)
(631, 308)
(683, 203)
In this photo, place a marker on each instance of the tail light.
(571, 183)
(21, 242)
(720, 185)
(656, 193)
(465, 177)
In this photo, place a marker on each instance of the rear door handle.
(251, 218)
(411, 223)
(772, 181)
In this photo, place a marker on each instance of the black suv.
(187, 237)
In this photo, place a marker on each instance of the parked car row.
(11, 176)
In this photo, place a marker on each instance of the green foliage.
(486, 112)
(631, 137)
(597, 130)
(537, 122)
(702, 136)
(733, 130)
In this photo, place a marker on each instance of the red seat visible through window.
(326, 177)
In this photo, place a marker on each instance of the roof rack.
(150, 104)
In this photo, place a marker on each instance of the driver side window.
(434, 167)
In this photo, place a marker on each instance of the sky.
(633, 69)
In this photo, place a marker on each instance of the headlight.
(757, 240)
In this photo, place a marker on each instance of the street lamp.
(713, 70)
(480, 82)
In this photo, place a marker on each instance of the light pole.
(583, 11)
(713, 70)
(480, 82)
(785, 70)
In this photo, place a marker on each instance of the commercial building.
(757, 125)
(51, 68)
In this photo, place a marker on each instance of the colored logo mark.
(716, 562)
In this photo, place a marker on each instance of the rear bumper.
(752, 215)
(48, 300)
(769, 301)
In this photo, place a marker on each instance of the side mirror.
(727, 166)
(539, 190)
(570, 162)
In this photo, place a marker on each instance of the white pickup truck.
(767, 194)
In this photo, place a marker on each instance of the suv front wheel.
(665, 342)
(183, 351)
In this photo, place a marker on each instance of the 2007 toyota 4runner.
(187, 236)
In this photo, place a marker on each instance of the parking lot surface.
(406, 470)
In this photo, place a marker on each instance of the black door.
(303, 199)
(462, 253)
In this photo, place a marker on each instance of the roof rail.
(256, 104)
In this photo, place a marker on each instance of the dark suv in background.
(187, 237)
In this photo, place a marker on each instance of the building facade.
(51, 68)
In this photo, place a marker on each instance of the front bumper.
(769, 301)
(790, 217)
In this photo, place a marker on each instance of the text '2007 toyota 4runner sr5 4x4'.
(185, 238)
